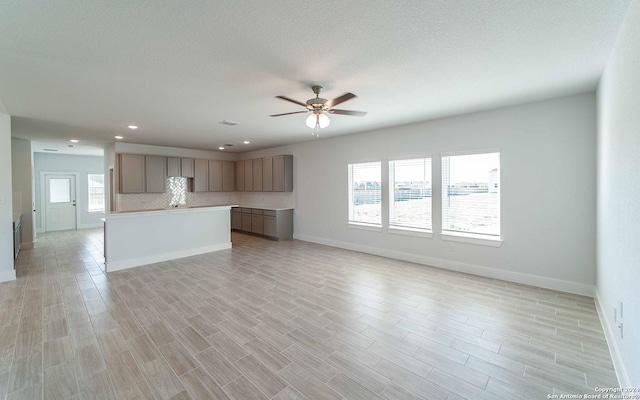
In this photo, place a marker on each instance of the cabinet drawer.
(246, 211)
(256, 211)
(270, 213)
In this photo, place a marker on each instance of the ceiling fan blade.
(341, 99)
(296, 112)
(349, 112)
(292, 101)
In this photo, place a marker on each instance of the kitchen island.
(139, 238)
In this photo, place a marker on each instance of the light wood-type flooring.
(285, 320)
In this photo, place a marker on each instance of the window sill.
(472, 239)
(365, 227)
(398, 230)
(96, 212)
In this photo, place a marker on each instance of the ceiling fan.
(319, 107)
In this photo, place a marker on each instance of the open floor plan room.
(286, 320)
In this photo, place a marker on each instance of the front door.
(60, 192)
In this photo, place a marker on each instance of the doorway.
(59, 202)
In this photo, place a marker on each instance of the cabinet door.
(283, 173)
(270, 227)
(215, 176)
(236, 220)
(267, 174)
(257, 175)
(174, 166)
(201, 176)
(156, 174)
(132, 173)
(240, 176)
(187, 167)
(228, 176)
(246, 222)
(256, 223)
(248, 175)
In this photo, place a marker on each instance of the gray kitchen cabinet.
(155, 174)
(132, 173)
(201, 176)
(274, 224)
(283, 173)
(228, 176)
(267, 174)
(256, 223)
(187, 167)
(240, 176)
(236, 219)
(174, 166)
(257, 175)
(215, 176)
(248, 175)
(246, 219)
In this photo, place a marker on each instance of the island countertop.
(112, 214)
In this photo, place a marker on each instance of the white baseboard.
(7, 276)
(139, 261)
(517, 277)
(610, 335)
(40, 230)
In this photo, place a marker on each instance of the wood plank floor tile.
(285, 320)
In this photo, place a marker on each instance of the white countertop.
(264, 207)
(112, 214)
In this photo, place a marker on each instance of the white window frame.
(408, 230)
(464, 237)
(376, 227)
(104, 194)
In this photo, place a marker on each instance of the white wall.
(21, 171)
(548, 152)
(84, 165)
(619, 197)
(7, 272)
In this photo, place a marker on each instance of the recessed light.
(132, 127)
(246, 142)
(119, 137)
(221, 148)
(74, 140)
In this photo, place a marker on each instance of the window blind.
(471, 193)
(410, 193)
(365, 186)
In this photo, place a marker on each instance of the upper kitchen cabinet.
(132, 173)
(248, 175)
(257, 175)
(283, 173)
(228, 176)
(215, 176)
(267, 174)
(240, 176)
(174, 166)
(201, 176)
(156, 174)
(187, 167)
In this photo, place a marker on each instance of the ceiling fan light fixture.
(311, 121)
(323, 120)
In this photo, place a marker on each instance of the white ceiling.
(178, 67)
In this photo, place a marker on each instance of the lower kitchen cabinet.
(274, 224)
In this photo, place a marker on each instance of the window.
(365, 185)
(59, 190)
(96, 192)
(471, 194)
(410, 193)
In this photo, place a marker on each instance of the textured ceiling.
(177, 67)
